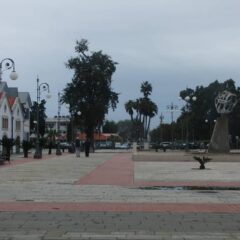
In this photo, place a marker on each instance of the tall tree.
(90, 91)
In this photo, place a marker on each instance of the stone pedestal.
(219, 141)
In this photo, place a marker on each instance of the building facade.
(51, 124)
(14, 113)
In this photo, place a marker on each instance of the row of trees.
(141, 111)
(198, 117)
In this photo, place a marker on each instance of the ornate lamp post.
(188, 99)
(9, 64)
(40, 87)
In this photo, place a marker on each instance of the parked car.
(165, 145)
(125, 146)
(64, 145)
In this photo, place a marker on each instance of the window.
(4, 123)
(18, 125)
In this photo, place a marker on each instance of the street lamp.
(78, 113)
(188, 99)
(58, 151)
(67, 105)
(40, 87)
(210, 128)
(172, 108)
(161, 126)
(9, 63)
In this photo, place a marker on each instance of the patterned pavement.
(100, 197)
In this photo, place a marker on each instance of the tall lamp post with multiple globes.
(172, 108)
(9, 64)
(40, 87)
(208, 121)
(188, 99)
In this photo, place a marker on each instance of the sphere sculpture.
(224, 103)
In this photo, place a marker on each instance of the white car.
(125, 146)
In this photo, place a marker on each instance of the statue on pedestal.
(224, 103)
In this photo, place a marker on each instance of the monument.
(224, 103)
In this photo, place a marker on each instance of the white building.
(51, 124)
(14, 113)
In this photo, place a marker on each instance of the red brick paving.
(120, 207)
(117, 171)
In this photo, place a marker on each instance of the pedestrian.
(77, 146)
(50, 145)
(87, 147)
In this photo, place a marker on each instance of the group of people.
(86, 146)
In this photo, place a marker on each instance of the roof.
(12, 91)
(3, 86)
(25, 97)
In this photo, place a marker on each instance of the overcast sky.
(170, 43)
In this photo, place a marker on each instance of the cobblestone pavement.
(115, 225)
(99, 198)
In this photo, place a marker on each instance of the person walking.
(87, 147)
(50, 145)
(78, 147)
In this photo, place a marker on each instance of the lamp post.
(172, 108)
(9, 64)
(210, 127)
(58, 150)
(43, 87)
(161, 126)
(67, 105)
(72, 117)
(188, 99)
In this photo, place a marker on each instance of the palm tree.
(129, 106)
(146, 89)
(148, 110)
(144, 110)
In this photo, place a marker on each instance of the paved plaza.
(120, 195)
